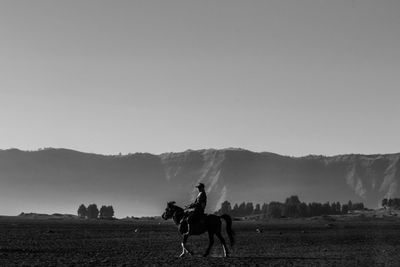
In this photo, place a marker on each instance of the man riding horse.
(211, 223)
(198, 206)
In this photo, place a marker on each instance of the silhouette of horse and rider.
(193, 221)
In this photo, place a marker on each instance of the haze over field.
(59, 180)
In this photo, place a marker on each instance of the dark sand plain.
(330, 241)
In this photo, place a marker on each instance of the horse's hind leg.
(210, 243)
(221, 238)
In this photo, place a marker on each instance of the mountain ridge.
(196, 150)
(57, 178)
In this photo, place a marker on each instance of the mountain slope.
(55, 180)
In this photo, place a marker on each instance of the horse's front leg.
(183, 251)
(184, 248)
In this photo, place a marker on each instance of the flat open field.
(308, 242)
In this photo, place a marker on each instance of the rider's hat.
(200, 185)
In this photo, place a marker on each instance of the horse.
(209, 223)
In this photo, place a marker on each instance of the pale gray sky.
(293, 77)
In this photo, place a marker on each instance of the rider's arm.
(190, 206)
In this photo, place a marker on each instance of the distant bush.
(92, 211)
(393, 203)
(225, 208)
(106, 212)
(275, 210)
(82, 211)
(292, 207)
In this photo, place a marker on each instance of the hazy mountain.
(58, 180)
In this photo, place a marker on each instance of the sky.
(291, 77)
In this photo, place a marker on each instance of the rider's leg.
(188, 229)
(192, 218)
(188, 223)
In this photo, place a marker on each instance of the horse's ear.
(171, 203)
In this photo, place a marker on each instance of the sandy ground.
(331, 241)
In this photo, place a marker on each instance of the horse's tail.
(229, 230)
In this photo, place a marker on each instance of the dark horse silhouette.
(209, 223)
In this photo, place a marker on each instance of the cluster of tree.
(393, 203)
(92, 212)
(292, 207)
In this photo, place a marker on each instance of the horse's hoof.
(182, 255)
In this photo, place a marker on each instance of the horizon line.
(194, 150)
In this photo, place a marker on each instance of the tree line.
(92, 212)
(393, 203)
(292, 207)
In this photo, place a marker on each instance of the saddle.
(198, 225)
(202, 219)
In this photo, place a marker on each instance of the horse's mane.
(172, 204)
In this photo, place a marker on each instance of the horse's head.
(169, 210)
